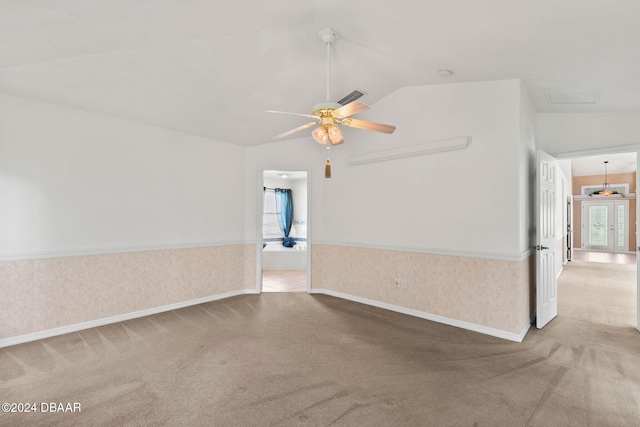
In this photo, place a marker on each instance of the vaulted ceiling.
(212, 68)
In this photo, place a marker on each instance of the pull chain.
(327, 166)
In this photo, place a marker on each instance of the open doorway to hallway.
(600, 266)
(602, 221)
(284, 255)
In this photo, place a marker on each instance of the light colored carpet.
(599, 293)
(293, 359)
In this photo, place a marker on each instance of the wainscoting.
(492, 296)
(45, 297)
(57, 295)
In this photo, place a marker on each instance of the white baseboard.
(6, 342)
(428, 316)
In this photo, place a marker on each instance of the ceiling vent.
(572, 98)
(351, 97)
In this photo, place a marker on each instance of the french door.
(605, 225)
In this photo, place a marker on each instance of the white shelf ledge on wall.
(459, 143)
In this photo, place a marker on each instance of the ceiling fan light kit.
(328, 115)
(321, 135)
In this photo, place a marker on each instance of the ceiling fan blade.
(361, 124)
(350, 109)
(303, 127)
(294, 114)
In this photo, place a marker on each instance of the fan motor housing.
(326, 106)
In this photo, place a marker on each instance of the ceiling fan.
(329, 114)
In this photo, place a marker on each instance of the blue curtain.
(285, 216)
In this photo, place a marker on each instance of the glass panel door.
(598, 227)
(605, 225)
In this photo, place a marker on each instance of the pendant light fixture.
(606, 188)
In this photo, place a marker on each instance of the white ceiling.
(212, 67)
(594, 165)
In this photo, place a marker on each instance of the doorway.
(602, 229)
(283, 253)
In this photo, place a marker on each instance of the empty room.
(318, 213)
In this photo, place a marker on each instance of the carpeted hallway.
(295, 359)
(599, 293)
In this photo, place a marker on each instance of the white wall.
(455, 201)
(71, 180)
(527, 174)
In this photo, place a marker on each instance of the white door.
(605, 225)
(547, 212)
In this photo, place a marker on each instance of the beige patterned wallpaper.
(43, 294)
(491, 293)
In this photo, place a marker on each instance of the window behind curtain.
(270, 227)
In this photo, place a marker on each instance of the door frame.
(260, 216)
(616, 150)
